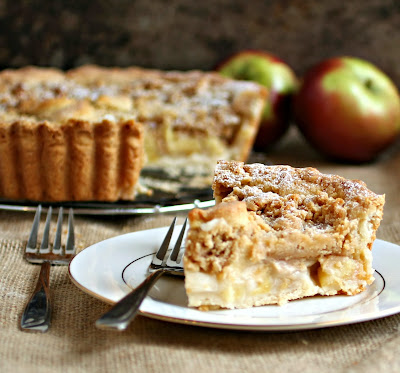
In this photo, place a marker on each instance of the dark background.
(179, 34)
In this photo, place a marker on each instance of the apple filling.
(247, 284)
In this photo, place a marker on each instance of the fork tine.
(164, 246)
(32, 240)
(57, 238)
(178, 244)
(44, 246)
(70, 245)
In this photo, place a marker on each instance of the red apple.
(348, 109)
(281, 82)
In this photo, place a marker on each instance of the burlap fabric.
(73, 344)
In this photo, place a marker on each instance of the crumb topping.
(189, 101)
(283, 180)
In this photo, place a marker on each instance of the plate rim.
(368, 316)
(107, 208)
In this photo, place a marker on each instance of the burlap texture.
(73, 344)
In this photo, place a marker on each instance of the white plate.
(108, 208)
(105, 270)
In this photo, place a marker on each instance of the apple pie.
(279, 233)
(86, 134)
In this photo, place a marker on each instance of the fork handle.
(122, 313)
(36, 316)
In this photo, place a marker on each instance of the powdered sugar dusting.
(283, 179)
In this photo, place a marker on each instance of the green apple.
(348, 109)
(281, 82)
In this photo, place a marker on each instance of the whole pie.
(279, 233)
(86, 134)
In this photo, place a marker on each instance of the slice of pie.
(279, 233)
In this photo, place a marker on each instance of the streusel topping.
(192, 102)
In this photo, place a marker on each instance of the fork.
(37, 313)
(164, 262)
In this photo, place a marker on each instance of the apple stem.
(368, 83)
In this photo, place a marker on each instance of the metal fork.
(37, 313)
(164, 262)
